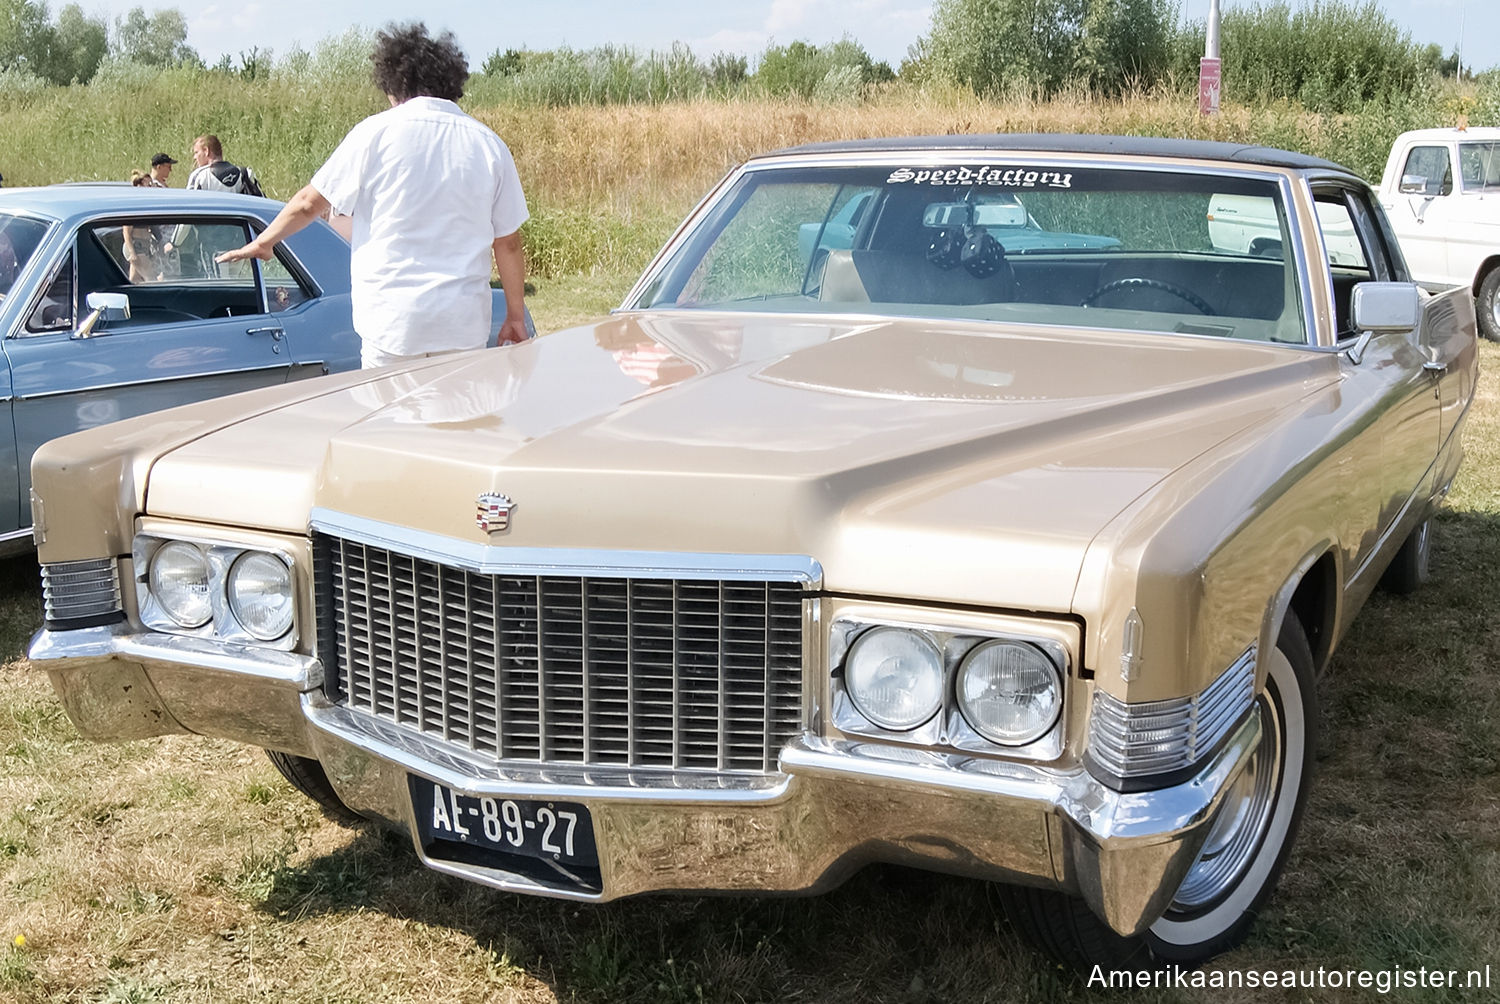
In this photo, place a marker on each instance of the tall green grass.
(607, 182)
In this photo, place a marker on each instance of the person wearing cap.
(161, 169)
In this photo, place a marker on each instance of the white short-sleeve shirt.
(429, 189)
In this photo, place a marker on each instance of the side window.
(1479, 164)
(54, 311)
(283, 287)
(167, 269)
(1356, 248)
(1427, 172)
(1340, 239)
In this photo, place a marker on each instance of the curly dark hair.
(409, 63)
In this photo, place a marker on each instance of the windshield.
(19, 237)
(1136, 250)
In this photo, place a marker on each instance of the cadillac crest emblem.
(494, 512)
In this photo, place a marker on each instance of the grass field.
(183, 869)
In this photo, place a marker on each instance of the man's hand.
(512, 331)
(252, 250)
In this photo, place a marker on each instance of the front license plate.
(561, 833)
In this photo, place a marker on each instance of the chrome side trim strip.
(489, 559)
(149, 383)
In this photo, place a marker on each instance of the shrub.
(838, 71)
(1331, 55)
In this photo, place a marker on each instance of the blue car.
(111, 306)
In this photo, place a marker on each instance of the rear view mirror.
(1000, 214)
(942, 215)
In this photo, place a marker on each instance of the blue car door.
(195, 329)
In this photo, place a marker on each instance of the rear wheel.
(1487, 304)
(1410, 567)
(308, 777)
(1236, 870)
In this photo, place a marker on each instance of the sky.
(884, 27)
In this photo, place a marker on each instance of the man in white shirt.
(433, 195)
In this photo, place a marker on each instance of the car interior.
(180, 284)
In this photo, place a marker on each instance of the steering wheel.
(1140, 282)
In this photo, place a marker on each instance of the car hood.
(946, 460)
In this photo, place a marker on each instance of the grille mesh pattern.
(679, 674)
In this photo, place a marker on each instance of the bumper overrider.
(832, 805)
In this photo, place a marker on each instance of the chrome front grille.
(671, 673)
(81, 590)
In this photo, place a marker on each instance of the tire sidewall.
(1290, 685)
(1485, 304)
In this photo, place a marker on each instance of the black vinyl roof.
(1141, 146)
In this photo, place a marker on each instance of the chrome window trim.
(1283, 178)
(490, 559)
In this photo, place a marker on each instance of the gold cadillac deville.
(982, 504)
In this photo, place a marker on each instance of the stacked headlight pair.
(192, 587)
(1008, 691)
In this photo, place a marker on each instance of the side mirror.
(1380, 307)
(103, 307)
(1413, 184)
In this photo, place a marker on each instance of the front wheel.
(308, 777)
(1247, 846)
(1487, 304)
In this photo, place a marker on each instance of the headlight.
(1009, 692)
(260, 594)
(179, 581)
(895, 678)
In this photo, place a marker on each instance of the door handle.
(276, 330)
(1435, 367)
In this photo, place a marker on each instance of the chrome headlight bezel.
(186, 562)
(947, 731)
(972, 714)
(928, 684)
(223, 624)
(236, 594)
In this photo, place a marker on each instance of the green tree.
(158, 39)
(26, 37)
(81, 45)
(1125, 43)
(998, 45)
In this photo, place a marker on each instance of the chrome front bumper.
(834, 806)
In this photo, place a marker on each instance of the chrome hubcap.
(1239, 825)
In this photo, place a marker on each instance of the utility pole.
(1209, 68)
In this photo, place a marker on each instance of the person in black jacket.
(214, 173)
